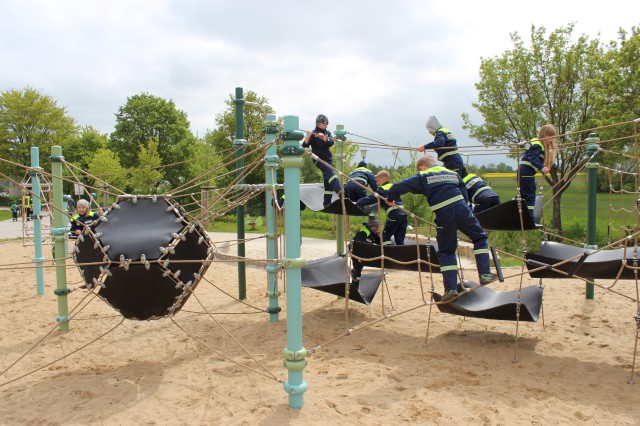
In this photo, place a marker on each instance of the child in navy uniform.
(320, 141)
(539, 154)
(367, 234)
(481, 195)
(445, 145)
(396, 224)
(447, 198)
(82, 218)
(364, 177)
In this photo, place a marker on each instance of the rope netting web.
(223, 200)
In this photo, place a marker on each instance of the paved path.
(10, 229)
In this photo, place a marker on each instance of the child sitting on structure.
(447, 197)
(396, 224)
(481, 195)
(367, 234)
(445, 145)
(82, 218)
(363, 176)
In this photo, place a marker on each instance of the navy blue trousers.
(449, 220)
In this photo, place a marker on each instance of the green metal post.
(37, 218)
(294, 353)
(592, 174)
(59, 232)
(271, 179)
(340, 138)
(239, 143)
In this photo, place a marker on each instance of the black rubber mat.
(605, 264)
(312, 196)
(488, 303)
(328, 275)
(393, 253)
(506, 217)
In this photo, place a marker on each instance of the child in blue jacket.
(539, 154)
(447, 198)
(445, 145)
(481, 195)
(363, 176)
(320, 141)
(396, 224)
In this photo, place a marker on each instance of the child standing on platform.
(445, 145)
(447, 197)
(320, 141)
(539, 154)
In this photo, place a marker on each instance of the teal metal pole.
(271, 179)
(59, 232)
(239, 143)
(592, 175)
(35, 173)
(340, 138)
(294, 353)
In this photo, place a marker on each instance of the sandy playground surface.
(574, 371)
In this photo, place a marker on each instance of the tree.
(146, 177)
(28, 118)
(256, 109)
(80, 150)
(146, 117)
(527, 87)
(105, 165)
(617, 98)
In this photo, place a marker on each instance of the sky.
(380, 68)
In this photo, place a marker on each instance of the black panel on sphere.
(506, 217)
(140, 293)
(88, 254)
(189, 250)
(140, 228)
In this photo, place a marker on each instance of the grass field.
(574, 207)
(5, 214)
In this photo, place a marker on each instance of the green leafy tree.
(105, 165)
(529, 86)
(256, 109)
(146, 177)
(617, 98)
(146, 117)
(29, 118)
(80, 150)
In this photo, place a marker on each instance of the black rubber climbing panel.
(487, 303)
(328, 275)
(603, 264)
(312, 195)
(405, 253)
(506, 217)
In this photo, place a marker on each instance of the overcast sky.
(378, 67)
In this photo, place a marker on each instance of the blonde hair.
(547, 135)
(426, 161)
(383, 175)
(83, 203)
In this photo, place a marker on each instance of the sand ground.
(574, 369)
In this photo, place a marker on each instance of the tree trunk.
(557, 217)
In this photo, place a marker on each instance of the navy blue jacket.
(533, 157)
(477, 188)
(445, 146)
(364, 177)
(366, 235)
(77, 220)
(320, 147)
(383, 190)
(441, 186)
